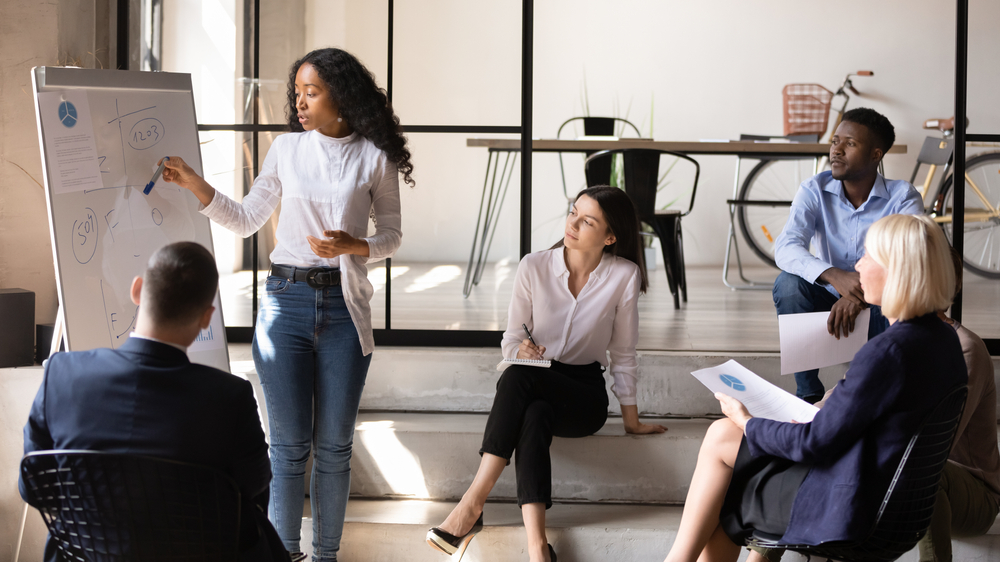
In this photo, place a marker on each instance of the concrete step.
(464, 380)
(435, 456)
(378, 531)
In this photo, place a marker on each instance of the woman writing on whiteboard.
(578, 302)
(313, 341)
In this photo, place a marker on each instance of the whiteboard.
(103, 228)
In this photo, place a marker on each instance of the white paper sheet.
(69, 141)
(762, 399)
(807, 344)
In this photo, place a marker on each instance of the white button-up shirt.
(323, 183)
(603, 319)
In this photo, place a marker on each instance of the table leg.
(733, 246)
(509, 165)
(469, 271)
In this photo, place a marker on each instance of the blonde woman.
(824, 480)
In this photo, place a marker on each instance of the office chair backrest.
(906, 510)
(109, 507)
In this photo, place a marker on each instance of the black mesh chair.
(107, 507)
(595, 126)
(641, 171)
(906, 510)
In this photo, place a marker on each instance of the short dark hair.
(179, 284)
(881, 130)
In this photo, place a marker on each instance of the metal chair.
(642, 175)
(906, 510)
(934, 152)
(592, 127)
(109, 507)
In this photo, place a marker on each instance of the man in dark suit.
(146, 398)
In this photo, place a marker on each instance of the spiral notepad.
(526, 362)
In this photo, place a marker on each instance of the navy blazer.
(147, 398)
(856, 441)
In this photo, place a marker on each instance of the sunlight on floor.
(436, 276)
(397, 464)
(376, 275)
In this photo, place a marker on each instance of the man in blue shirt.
(832, 211)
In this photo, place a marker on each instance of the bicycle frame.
(938, 208)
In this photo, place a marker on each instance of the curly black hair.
(362, 103)
(883, 134)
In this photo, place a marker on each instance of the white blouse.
(323, 183)
(603, 319)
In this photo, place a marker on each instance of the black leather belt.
(315, 277)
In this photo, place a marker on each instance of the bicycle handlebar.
(848, 85)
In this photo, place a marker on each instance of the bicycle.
(981, 253)
(766, 193)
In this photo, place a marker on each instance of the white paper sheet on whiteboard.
(762, 399)
(69, 141)
(807, 344)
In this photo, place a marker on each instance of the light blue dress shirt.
(822, 215)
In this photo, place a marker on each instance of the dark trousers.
(531, 406)
(964, 507)
(794, 295)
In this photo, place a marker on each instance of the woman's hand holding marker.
(176, 171)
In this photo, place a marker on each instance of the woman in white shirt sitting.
(579, 302)
(313, 340)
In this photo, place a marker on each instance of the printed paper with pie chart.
(761, 398)
(69, 141)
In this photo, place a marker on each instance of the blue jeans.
(793, 295)
(312, 370)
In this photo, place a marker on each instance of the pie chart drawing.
(733, 382)
(67, 114)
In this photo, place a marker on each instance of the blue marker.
(156, 176)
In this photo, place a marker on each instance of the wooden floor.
(715, 318)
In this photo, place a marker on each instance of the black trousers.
(532, 405)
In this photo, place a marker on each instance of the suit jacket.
(856, 441)
(147, 398)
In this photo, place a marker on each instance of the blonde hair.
(915, 254)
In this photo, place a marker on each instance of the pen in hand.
(528, 349)
(156, 176)
(527, 331)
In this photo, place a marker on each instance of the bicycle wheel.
(770, 180)
(981, 253)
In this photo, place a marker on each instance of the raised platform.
(428, 296)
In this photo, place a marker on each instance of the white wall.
(712, 69)
(31, 34)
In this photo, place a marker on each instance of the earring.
(340, 120)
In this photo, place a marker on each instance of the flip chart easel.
(101, 134)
